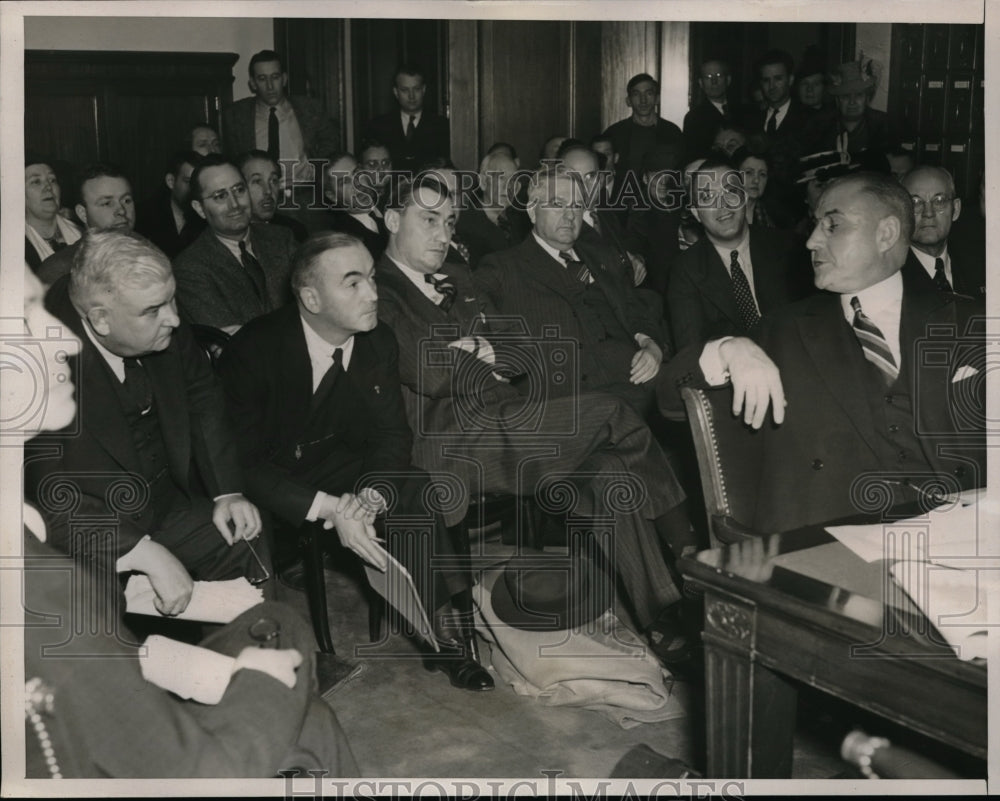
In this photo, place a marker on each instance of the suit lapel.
(716, 285)
(167, 379)
(101, 411)
(296, 377)
(541, 267)
(764, 261)
(833, 349)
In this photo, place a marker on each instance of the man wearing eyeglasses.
(235, 270)
(703, 120)
(935, 208)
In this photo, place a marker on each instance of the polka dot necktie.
(744, 297)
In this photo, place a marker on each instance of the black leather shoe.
(463, 671)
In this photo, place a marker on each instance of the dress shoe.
(463, 671)
(293, 577)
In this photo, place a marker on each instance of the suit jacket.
(144, 731)
(481, 236)
(342, 221)
(968, 275)
(155, 221)
(97, 454)
(319, 133)
(797, 119)
(58, 264)
(700, 300)
(810, 463)
(289, 448)
(655, 231)
(701, 124)
(214, 289)
(431, 138)
(823, 131)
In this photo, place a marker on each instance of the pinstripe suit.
(494, 437)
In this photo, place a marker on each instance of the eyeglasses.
(256, 581)
(939, 203)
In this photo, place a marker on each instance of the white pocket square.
(963, 372)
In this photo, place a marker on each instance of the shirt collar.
(553, 252)
(233, 245)
(417, 279)
(321, 351)
(115, 362)
(405, 117)
(928, 261)
(743, 248)
(780, 111)
(887, 294)
(283, 109)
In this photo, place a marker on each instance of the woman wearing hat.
(857, 126)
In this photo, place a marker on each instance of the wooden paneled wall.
(627, 48)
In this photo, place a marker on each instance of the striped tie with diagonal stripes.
(873, 343)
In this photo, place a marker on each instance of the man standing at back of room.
(412, 134)
(287, 128)
(633, 136)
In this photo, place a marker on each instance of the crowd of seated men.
(385, 336)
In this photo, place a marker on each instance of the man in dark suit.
(724, 283)
(166, 219)
(353, 198)
(460, 378)
(287, 128)
(935, 208)
(854, 126)
(491, 227)
(106, 204)
(151, 439)
(636, 134)
(263, 178)
(703, 121)
(412, 134)
(235, 270)
(554, 278)
(784, 121)
(321, 435)
(169, 709)
(882, 379)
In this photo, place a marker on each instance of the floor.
(404, 721)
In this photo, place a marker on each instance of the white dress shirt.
(927, 262)
(743, 249)
(779, 114)
(883, 305)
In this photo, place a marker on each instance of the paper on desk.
(211, 601)
(955, 535)
(396, 586)
(955, 601)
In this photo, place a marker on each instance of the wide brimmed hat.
(851, 78)
(550, 592)
(824, 166)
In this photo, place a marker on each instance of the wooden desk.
(766, 624)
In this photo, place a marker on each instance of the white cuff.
(186, 670)
(710, 363)
(484, 351)
(313, 514)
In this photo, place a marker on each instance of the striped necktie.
(578, 269)
(873, 343)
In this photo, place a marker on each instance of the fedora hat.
(852, 77)
(548, 592)
(824, 166)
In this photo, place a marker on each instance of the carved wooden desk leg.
(750, 709)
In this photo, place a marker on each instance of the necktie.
(442, 283)
(273, 146)
(725, 110)
(137, 385)
(772, 122)
(254, 271)
(741, 289)
(329, 379)
(460, 248)
(577, 267)
(503, 223)
(411, 128)
(873, 343)
(56, 244)
(940, 279)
